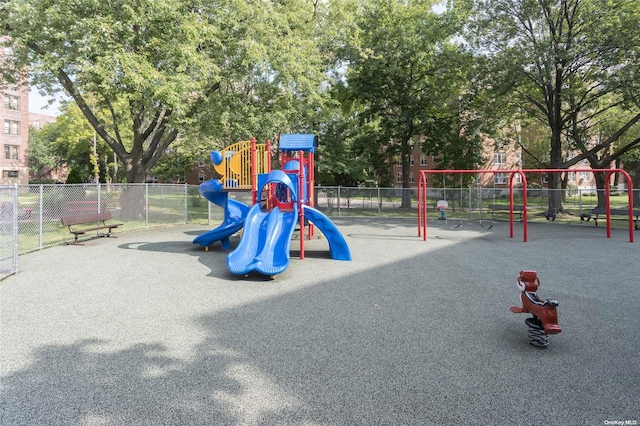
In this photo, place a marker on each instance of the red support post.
(254, 172)
(300, 201)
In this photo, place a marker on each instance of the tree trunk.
(135, 170)
(405, 155)
(600, 188)
(132, 200)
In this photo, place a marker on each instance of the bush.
(74, 177)
(42, 182)
(197, 200)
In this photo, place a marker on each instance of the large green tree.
(69, 142)
(170, 64)
(564, 63)
(404, 76)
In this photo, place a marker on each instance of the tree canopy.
(161, 67)
(404, 79)
(564, 63)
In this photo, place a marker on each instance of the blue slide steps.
(337, 244)
(235, 213)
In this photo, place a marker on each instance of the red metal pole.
(630, 203)
(300, 200)
(525, 223)
(268, 160)
(420, 203)
(254, 172)
(511, 205)
(607, 193)
(311, 188)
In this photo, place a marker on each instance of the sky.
(37, 104)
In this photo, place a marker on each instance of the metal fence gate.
(8, 231)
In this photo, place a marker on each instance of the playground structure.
(281, 200)
(544, 319)
(423, 202)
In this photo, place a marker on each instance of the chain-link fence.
(474, 203)
(31, 213)
(9, 214)
(137, 206)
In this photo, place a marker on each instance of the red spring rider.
(545, 317)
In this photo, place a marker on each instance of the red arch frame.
(422, 195)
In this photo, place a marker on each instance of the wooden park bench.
(92, 222)
(601, 213)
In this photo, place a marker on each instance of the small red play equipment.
(545, 317)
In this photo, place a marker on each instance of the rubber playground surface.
(149, 329)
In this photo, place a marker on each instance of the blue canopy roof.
(305, 142)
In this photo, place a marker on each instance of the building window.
(411, 179)
(11, 173)
(200, 163)
(36, 124)
(411, 160)
(499, 158)
(572, 177)
(499, 178)
(11, 152)
(11, 102)
(200, 177)
(585, 176)
(11, 127)
(423, 160)
(399, 177)
(518, 178)
(398, 161)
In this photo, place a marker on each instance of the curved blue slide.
(235, 214)
(337, 244)
(265, 243)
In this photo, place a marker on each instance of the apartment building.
(505, 158)
(14, 138)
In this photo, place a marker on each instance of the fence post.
(186, 203)
(339, 201)
(40, 218)
(16, 244)
(580, 203)
(146, 205)
(379, 202)
(99, 196)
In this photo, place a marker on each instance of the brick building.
(14, 138)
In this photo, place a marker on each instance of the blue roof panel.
(305, 142)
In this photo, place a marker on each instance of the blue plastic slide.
(337, 244)
(235, 213)
(265, 242)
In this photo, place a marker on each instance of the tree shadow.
(423, 339)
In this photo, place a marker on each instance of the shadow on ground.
(427, 339)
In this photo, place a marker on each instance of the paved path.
(148, 329)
